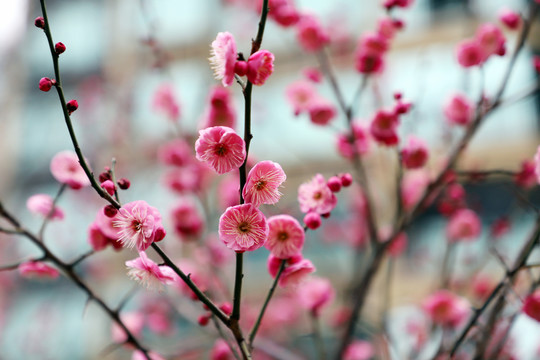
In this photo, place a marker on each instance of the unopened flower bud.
(59, 48)
(226, 308)
(45, 84)
(334, 184)
(241, 68)
(312, 220)
(104, 176)
(39, 22)
(72, 105)
(110, 211)
(346, 179)
(108, 186)
(123, 183)
(203, 320)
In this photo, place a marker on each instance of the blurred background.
(119, 52)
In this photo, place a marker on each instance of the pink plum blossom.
(283, 12)
(221, 351)
(469, 53)
(139, 225)
(446, 309)
(102, 233)
(187, 219)
(296, 270)
(490, 40)
(243, 228)
(413, 186)
(263, 182)
(459, 110)
(300, 94)
(361, 142)
(366, 63)
(373, 43)
(192, 177)
(464, 225)
(37, 269)
(387, 27)
(414, 155)
(315, 293)
(531, 305)
(510, 18)
(359, 350)
(315, 195)
(285, 237)
(148, 273)
(384, 128)
(221, 148)
(165, 102)
(310, 33)
(313, 74)
(42, 204)
(223, 58)
(66, 169)
(260, 66)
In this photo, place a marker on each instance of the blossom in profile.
(359, 350)
(349, 147)
(243, 228)
(223, 58)
(414, 155)
(469, 53)
(37, 269)
(42, 204)
(459, 110)
(221, 111)
(297, 268)
(138, 225)
(263, 182)
(315, 293)
(221, 148)
(446, 309)
(316, 196)
(260, 66)
(310, 33)
(285, 236)
(464, 225)
(531, 305)
(148, 273)
(66, 169)
(384, 126)
(165, 102)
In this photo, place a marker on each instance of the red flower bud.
(104, 176)
(45, 84)
(334, 184)
(312, 220)
(110, 211)
(59, 48)
(124, 183)
(72, 105)
(40, 22)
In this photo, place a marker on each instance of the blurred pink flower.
(263, 182)
(37, 269)
(413, 186)
(139, 225)
(66, 169)
(243, 228)
(295, 272)
(361, 142)
(176, 152)
(510, 18)
(414, 155)
(260, 66)
(321, 111)
(459, 110)
(372, 43)
(490, 40)
(42, 204)
(221, 111)
(446, 309)
(221, 148)
(366, 63)
(384, 126)
(300, 94)
(464, 225)
(187, 219)
(315, 293)
(285, 237)
(359, 350)
(310, 33)
(316, 196)
(190, 178)
(221, 351)
(527, 176)
(387, 27)
(313, 74)
(469, 53)
(281, 11)
(398, 245)
(148, 273)
(223, 58)
(102, 232)
(165, 102)
(134, 322)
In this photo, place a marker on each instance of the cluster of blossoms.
(226, 62)
(303, 97)
(488, 40)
